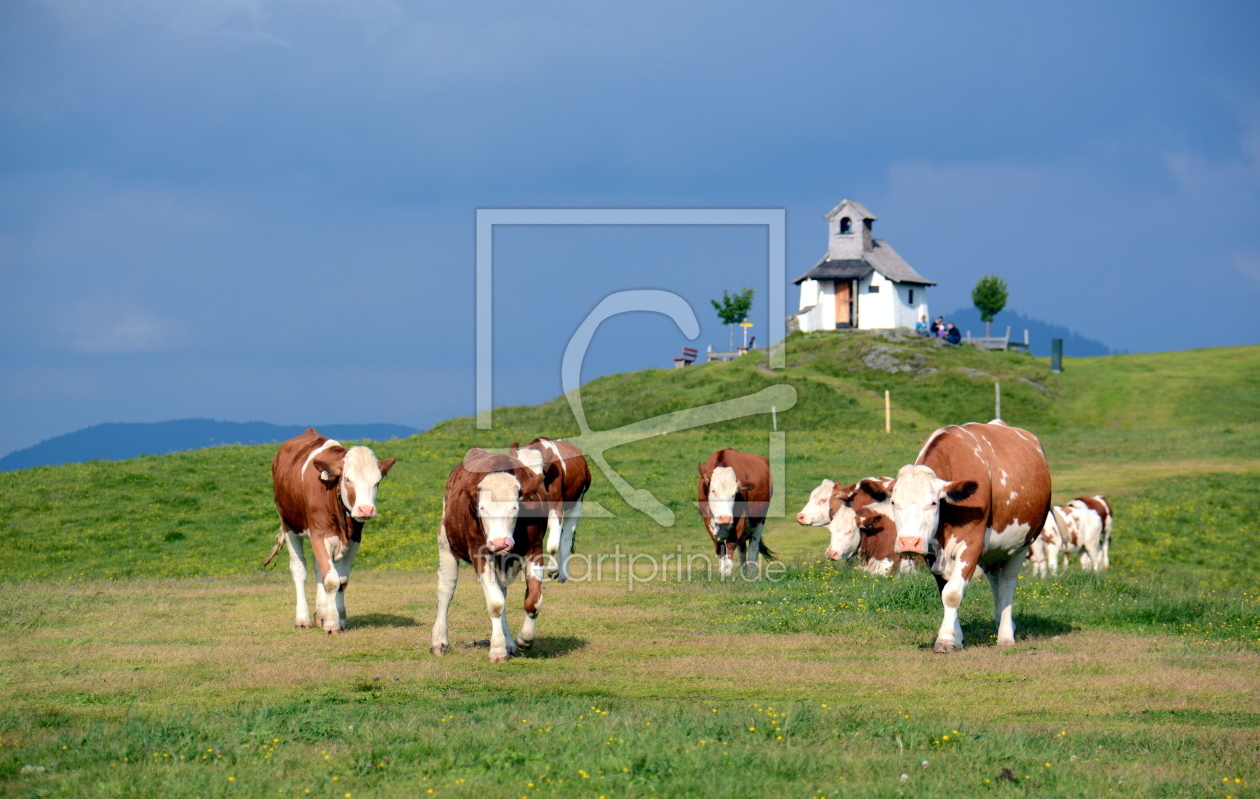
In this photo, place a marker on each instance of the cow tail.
(280, 538)
(765, 551)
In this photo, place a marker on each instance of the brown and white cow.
(566, 479)
(324, 492)
(1084, 526)
(734, 497)
(857, 527)
(494, 516)
(977, 495)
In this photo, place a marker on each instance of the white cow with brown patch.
(976, 496)
(1084, 526)
(324, 492)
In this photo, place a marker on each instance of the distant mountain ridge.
(120, 440)
(1039, 332)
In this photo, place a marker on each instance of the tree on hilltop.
(989, 297)
(733, 309)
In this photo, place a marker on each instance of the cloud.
(101, 326)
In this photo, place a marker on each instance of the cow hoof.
(945, 647)
(525, 646)
(332, 630)
(302, 625)
(499, 658)
(1006, 642)
(439, 650)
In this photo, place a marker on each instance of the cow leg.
(496, 605)
(726, 558)
(507, 576)
(553, 547)
(343, 578)
(533, 603)
(568, 531)
(748, 563)
(949, 638)
(1003, 582)
(328, 581)
(297, 568)
(1053, 555)
(448, 574)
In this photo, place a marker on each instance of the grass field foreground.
(144, 654)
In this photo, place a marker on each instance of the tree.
(989, 297)
(733, 309)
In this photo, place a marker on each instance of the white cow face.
(723, 486)
(817, 512)
(358, 474)
(845, 534)
(498, 505)
(915, 505)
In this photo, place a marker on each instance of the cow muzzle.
(800, 518)
(500, 545)
(911, 544)
(832, 554)
(364, 512)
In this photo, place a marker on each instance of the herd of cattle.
(976, 500)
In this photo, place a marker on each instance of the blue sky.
(265, 209)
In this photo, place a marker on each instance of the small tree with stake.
(733, 309)
(989, 297)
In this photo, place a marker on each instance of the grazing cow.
(817, 511)
(324, 492)
(1083, 525)
(859, 529)
(566, 479)
(733, 497)
(494, 517)
(977, 495)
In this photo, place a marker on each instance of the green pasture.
(146, 654)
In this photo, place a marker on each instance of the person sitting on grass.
(921, 327)
(952, 335)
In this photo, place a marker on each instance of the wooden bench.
(687, 358)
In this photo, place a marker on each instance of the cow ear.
(516, 445)
(844, 493)
(551, 473)
(875, 489)
(385, 466)
(705, 474)
(958, 490)
(329, 471)
(744, 488)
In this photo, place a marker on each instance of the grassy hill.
(1111, 424)
(145, 654)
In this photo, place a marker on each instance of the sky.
(265, 210)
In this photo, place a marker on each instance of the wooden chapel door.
(844, 302)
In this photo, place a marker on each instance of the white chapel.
(861, 282)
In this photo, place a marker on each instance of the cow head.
(721, 487)
(817, 511)
(914, 505)
(498, 502)
(846, 533)
(355, 473)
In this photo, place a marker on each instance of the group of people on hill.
(938, 329)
